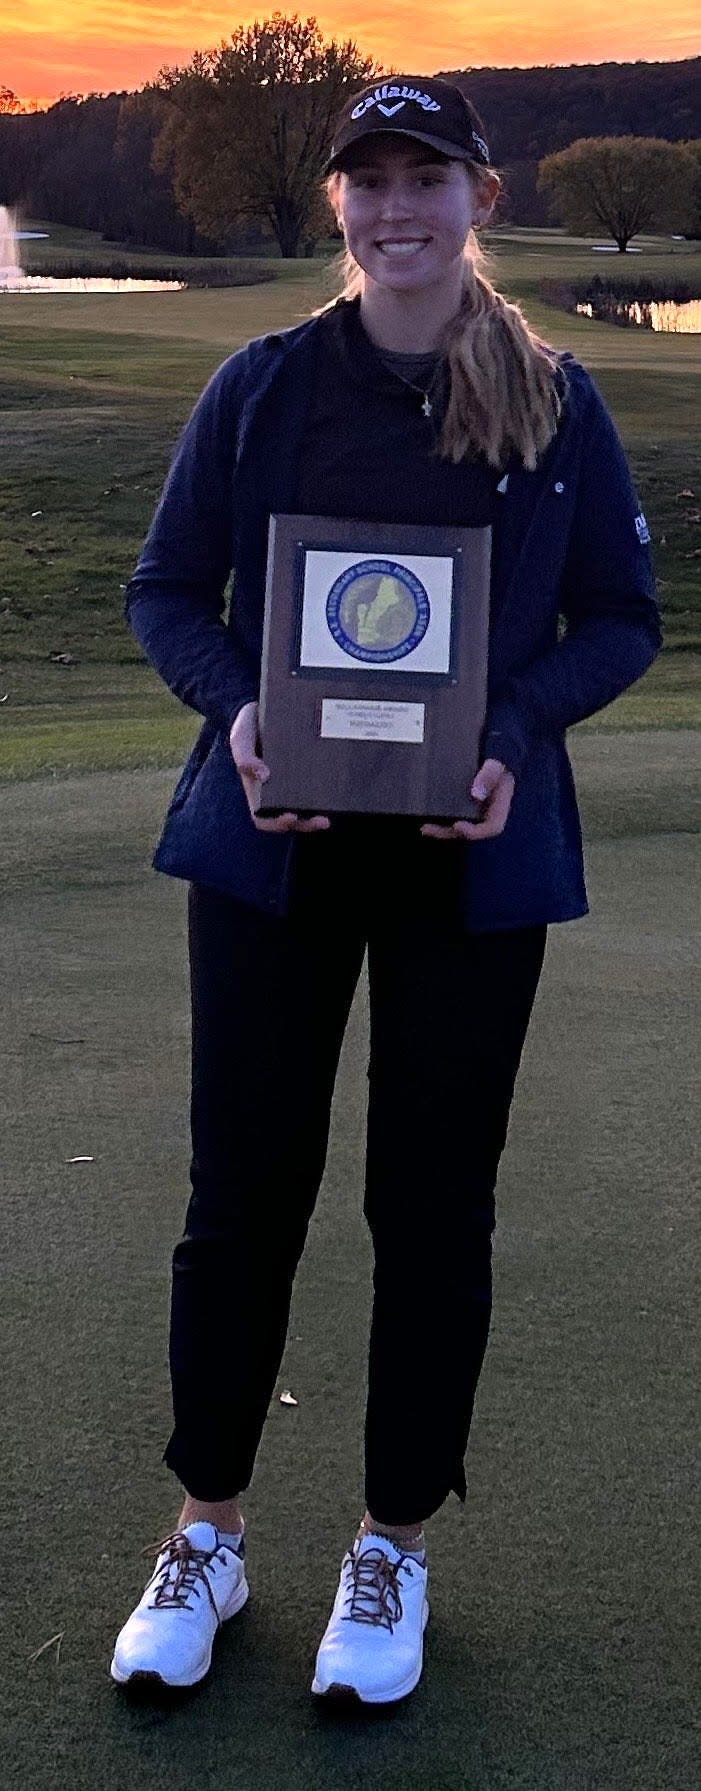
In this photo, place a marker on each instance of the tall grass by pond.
(658, 304)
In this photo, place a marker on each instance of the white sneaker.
(372, 1647)
(198, 1582)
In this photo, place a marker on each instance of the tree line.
(222, 155)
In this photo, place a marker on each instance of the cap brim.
(451, 154)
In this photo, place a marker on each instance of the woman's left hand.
(495, 786)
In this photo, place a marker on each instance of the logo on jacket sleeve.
(642, 529)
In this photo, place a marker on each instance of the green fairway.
(94, 390)
(561, 1651)
(99, 716)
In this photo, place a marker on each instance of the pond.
(13, 278)
(46, 283)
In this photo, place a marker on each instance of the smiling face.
(406, 211)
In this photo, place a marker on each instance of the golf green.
(561, 1653)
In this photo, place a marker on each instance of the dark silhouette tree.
(693, 150)
(247, 125)
(619, 184)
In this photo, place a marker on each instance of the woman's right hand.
(253, 772)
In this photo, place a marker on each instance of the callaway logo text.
(400, 94)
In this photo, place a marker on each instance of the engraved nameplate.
(353, 719)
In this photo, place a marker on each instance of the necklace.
(424, 392)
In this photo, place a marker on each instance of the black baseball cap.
(430, 109)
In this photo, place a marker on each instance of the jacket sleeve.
(174, 601)
(607, 597)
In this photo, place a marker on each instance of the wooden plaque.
(374, 673)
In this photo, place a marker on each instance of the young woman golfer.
(419, 396)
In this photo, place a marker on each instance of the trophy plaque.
(374, 671)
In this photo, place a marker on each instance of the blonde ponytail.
(504, 397)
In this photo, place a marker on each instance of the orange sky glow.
(73, 46)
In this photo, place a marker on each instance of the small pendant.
(426, 406)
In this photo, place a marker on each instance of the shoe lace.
(190, 1562)
(374, 1591)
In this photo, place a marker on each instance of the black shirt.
(366, 451)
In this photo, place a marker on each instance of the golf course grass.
(562, 1649)
(561, 1652)
(94, 391)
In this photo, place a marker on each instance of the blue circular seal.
(378, 611)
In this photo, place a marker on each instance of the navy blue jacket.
(572, 542)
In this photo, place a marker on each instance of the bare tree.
(246, 127)
(9, 101)
(618, 184)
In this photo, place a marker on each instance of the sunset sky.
(81, 46)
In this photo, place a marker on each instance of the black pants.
(270, 1001)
